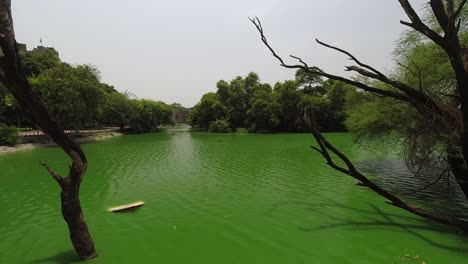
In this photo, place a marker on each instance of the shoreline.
(45, 142)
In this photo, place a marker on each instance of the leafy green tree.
(220, 126)
(370, 117)
(38, 60)
(336, 94)
(310, 83)
(72, 94)
(248, 103)
(234, 97)
(7, 106)
(424, 140)
(33, 63)
(262, 114)
(287, 95)
(78, 99)
(116, 110)
(207, 110)
(148, 115)
(8, 135)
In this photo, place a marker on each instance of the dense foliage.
(73, 94)
(220, 126)
(78, 99)
(8, 135)
(426, 144)
(248, 104)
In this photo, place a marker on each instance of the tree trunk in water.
(73, 215)
(11, 75)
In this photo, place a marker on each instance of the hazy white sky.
(175, 51)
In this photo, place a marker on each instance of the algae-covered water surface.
(214, 198)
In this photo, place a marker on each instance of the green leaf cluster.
(219, 126)
(246, 103)
(77, 99)
(8, 135)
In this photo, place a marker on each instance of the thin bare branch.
(54, 175)
(258, 25)
(415, 74)
(300, 60)
(352, 57)
(315, 70)
(416, 98)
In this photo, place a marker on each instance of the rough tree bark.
(452, 117)
(13, 78)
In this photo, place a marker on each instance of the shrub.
(241, 130)
(8, 135)
(220, 126)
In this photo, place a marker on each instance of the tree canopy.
(246, 103)
(77, 98)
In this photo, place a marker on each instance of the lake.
(218, 198)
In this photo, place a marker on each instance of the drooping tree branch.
(352, 58)
(416, 97)
(317, 71)
(326, 148)
(456, 51)
(416, 74)
(425, 104)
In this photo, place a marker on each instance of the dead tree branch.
(415, 97)
(326, 146)
(418, 99)
(54, 175)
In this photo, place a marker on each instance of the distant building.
(180, 116)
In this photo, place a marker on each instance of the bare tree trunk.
(11, 75)
(71, 211)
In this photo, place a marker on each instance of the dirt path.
(90, 136)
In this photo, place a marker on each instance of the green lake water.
(217, 198)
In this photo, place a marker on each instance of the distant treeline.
(78, 99)
(247, 105)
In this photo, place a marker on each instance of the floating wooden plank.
(126, 207)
